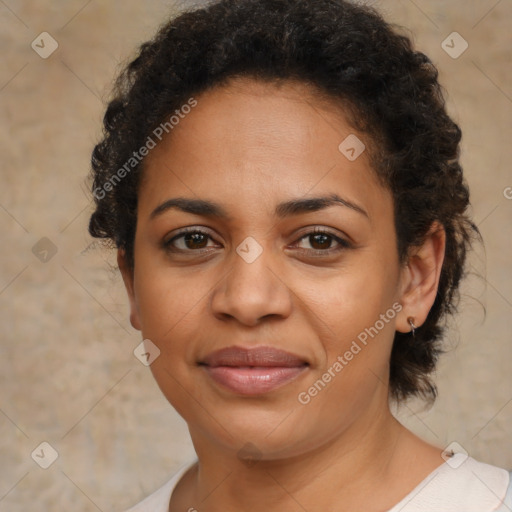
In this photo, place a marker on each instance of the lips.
(253, 371)
(258, 356)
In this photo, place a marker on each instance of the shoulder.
(506, 505)
(461, 484)
(159, 500)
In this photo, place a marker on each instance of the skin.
(249, 146)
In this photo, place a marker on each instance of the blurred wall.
(67, 370)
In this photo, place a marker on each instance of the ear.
(420, 278)
(128, 278)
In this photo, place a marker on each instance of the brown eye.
(188, 241)
(322, 241)
(195, 240)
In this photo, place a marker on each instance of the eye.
(321, 241)
(193, 239)
(188, 240)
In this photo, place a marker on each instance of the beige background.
(67, 371)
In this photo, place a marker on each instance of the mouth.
(253, 371)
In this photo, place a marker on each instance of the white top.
(460, 484)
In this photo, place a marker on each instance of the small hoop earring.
(411, 323)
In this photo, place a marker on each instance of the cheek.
(171, 307)
(356, 342)
(353, 299)
(167, 299)
(355, 314)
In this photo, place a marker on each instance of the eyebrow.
(207, 208)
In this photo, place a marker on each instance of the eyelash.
(343, 244)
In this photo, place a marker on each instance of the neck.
(372, 454)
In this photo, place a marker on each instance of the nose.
(251, 291)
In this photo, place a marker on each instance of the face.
(266, 266)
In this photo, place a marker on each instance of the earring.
(411, 323)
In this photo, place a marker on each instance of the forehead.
(249, 142)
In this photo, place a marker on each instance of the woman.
(281, 180)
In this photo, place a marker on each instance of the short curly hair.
(350, 55)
